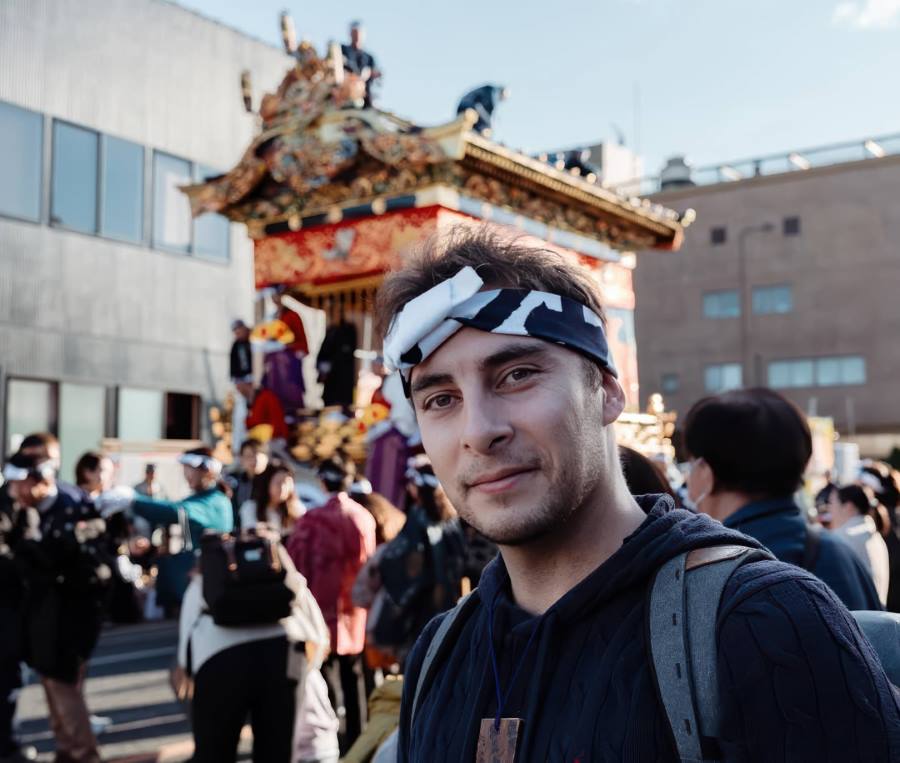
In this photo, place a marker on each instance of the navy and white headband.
(42, 471)
(430, 319)
(199, 461)
(415, 472)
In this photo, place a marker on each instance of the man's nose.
(486, 426)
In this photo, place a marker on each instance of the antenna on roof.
(247, 90)
(288, 33)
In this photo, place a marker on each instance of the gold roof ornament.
(319, 153)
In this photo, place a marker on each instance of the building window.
(791, 226)
(82, 423)
(722, 377)
(792, 373)
(670, 384)
(721, 304)
(171, 209)
(74, 189)
(768, 300)
(182, 416)
(211, 231)
(21, 139)
(818, 372)
(30, 407)
(122, 208)
(140, 414)
(718, 235)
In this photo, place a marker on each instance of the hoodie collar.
(759, 509)
(665, 533)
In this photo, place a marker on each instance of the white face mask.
(694, 503)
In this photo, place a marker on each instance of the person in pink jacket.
(329, 546)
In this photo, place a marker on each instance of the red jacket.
(266, 409)
(329, 546)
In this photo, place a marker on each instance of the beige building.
(789, 278)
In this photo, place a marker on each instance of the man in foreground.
(515, 393)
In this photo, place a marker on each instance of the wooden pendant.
(498, 745)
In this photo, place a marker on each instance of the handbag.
(173, 570)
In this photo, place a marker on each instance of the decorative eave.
(518, 169)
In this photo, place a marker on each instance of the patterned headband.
(198, 461)
(430, 319)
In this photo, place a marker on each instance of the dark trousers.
(10, 681)
(347, 691)
(248, 679)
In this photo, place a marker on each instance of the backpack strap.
(681, 617)
(445, 635)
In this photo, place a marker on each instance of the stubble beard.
(565, 494)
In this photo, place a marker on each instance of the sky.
(715, 80)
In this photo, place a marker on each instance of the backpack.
(681, 622)
(243, 579)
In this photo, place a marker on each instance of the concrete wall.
(81, 308)
(844, 268)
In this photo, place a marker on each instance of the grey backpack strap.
(683, 607)
(458, 614)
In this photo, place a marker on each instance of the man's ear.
(613, 399)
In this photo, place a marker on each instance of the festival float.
(334, 194)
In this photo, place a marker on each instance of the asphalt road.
(127, 682)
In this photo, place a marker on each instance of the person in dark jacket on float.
(515, 393)
(749, 450)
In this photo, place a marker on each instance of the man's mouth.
(501, 480)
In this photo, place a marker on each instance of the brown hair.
(502, 261)
(389, 520)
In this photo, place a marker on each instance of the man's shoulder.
(759, 578)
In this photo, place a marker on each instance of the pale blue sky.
(718, 79)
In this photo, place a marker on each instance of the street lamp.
(745, 301)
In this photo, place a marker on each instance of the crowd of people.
(340, 624)
(360, 575)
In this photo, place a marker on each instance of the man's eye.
(439, 401)
(519, 375)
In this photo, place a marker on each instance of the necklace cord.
(501, 699)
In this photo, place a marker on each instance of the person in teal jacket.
(207, 508)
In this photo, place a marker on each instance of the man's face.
(194, 477)
(357, 36)
(253, 461)
(241, 333)
(514, 430)
(29, 492)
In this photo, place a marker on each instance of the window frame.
(817, 362)
(53, 406)
(141, 241)
(198, 173)
(720, 366)
(771, 287)
(42, 164)
(793, 222)
(717, 294)
(53, 164)
(154, 244)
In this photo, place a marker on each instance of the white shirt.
(863, 537)
(305, 623)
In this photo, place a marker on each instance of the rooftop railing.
(773, 164)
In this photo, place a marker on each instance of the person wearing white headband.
(560, 653)
(59, 546)
(206, 508)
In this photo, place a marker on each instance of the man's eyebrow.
(431, 380)
(517, 351)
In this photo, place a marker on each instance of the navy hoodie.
(798, 681)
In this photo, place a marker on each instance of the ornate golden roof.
(317, 154)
